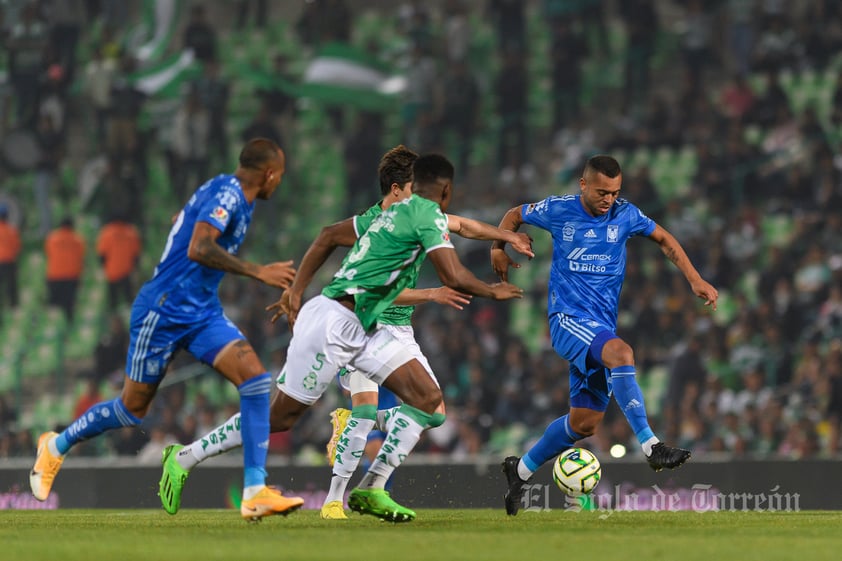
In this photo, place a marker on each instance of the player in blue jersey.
(179, 308)
(590, 231)
(396, 178)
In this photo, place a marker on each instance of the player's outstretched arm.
(675, 253)
(443, 295)
(454, 274)
(330, 237)
(204, 249)
(500, 260)
(477, 230)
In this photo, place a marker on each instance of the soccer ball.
(577, 471)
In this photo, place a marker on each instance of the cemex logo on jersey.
(581, 254)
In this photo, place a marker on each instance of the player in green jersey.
(337, 329)
(349, 442)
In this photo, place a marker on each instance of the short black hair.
(258, 152)
(395, 167)
(430, 168)
(606, 165)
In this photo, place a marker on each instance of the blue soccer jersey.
(182, 288)
(589, 253)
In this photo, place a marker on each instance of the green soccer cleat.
(377, 502)
(172, 479)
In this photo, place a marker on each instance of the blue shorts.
(580, 342)
(154, 339)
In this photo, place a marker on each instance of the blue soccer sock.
(630, 399)
(101, 417)
(254, 427)
(558, 437)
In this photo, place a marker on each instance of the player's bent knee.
(617, 353)
(585, 428)
(430, 401)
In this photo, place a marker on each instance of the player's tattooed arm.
(675, 253)
(204, 249)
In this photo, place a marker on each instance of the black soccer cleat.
(514, 494)
(664, 456)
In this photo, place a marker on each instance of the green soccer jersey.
(393, 315)
(388, 256)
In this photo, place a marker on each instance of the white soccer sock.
(226, 436)
(403, 432)
(250, 491)
(383, 416)
(647, 446)
(351, 445)
(338, 484)
(524, 472)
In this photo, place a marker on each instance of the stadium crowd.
(760, 211)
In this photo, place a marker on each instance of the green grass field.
(75, 535)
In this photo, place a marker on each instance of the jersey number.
(179, 221)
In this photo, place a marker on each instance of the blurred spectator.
(324, 21)
(119, 247)
(457, 31)
(511, 89)
(150, 453)
(276, 99)
(420, 97)
(10, 247)
(777, 47)
(111, 349)
(90, 395)
(641, 20)
(509, 20)
(213, 91)
(245, 7)
(362, 151)
(697, 42)
(65, 19)
(199, 35)
(26, 43)
(123, 135)
(65, 251)
(46, 174)
(687, 375)
(737, 97)
(773, 100)
(190, 146)
(262, 126)
(99, 72)
(128, 441)
(568, 50)
(460, 113)
(336, 19)
(740, 17)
